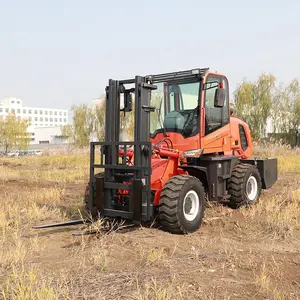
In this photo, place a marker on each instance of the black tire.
(172, 213)
(240, 190)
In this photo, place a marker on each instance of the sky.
(57, 53)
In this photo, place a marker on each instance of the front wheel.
(182, 204)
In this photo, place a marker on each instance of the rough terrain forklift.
(187, 149)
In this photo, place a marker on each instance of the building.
(39, 117)
(49, 135)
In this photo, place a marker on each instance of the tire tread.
(236, 183)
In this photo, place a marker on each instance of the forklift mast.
(109, 199)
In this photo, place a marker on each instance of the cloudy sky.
(62, 52)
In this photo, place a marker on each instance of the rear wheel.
(182, 204)
(244, 186)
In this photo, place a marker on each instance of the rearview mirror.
(220, 96)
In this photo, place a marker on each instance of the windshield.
(177, 108)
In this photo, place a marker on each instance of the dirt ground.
(236, 254)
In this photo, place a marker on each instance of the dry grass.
(265, 279)
(29, 284)
(63, 169)
(56, 161)
(25, 200)
(278, 215)
(155, 290)
(30, 205)
(226, 259)
(288, 159)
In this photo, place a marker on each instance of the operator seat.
(185, 122)
(174, 121)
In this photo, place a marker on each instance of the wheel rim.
(251, 188)
(191, 205)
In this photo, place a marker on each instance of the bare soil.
(229, 257)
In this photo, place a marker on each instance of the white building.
(49, 135)
(38, 117)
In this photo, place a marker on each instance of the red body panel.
(179, 142)
(235, 136)
(162, 170)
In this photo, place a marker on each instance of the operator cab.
(177, 108)
(177, 104)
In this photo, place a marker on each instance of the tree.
(80, 132)
(89, 123)
(13, 132)
(99, 124)
(292, 105)
(253, 103)
(286, 113)
(126, 122)
(67, 131)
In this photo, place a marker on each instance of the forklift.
(187, 149)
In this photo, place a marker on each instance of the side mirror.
(220, 96)
(127, 102)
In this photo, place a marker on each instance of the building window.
(1, 109)
(18, 111)
(13, 110)
(6, 110)
(35, 119)
(41, 112)
(24, 111)
(60, 113)
(30, 119)
(18, 102)
(60, 120)
(55, 120)
(41, 119)
(65, 113)
(35, 112)
(65, 120)
(46, 112)
(46, 119)
(51, 120)
(12, 101)
(29, 111)
(55, 113)
(43, 142)
(50, 113)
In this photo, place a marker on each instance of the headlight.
(192, 153)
